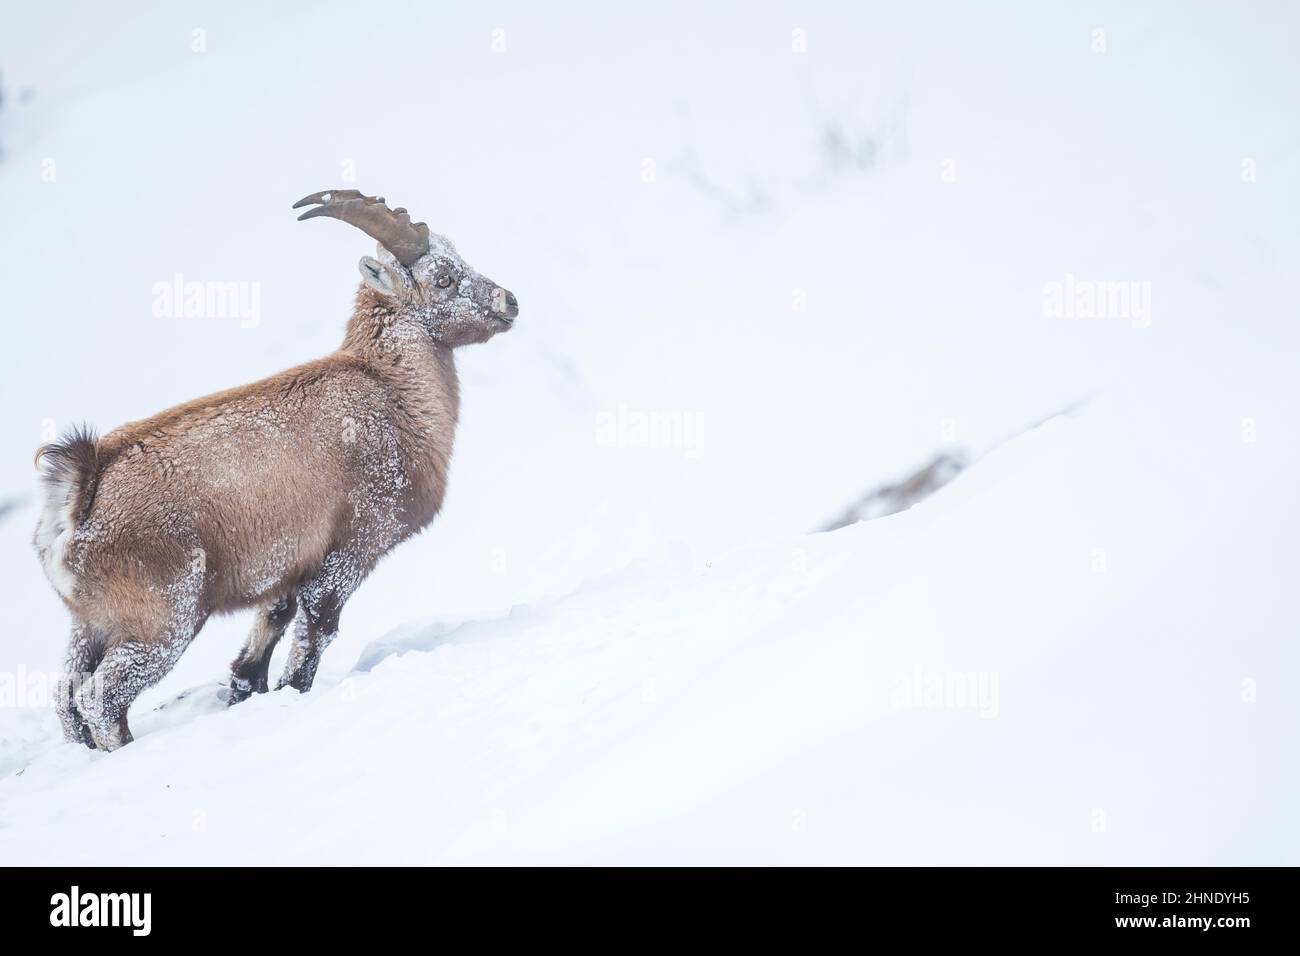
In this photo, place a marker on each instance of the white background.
(637, 654)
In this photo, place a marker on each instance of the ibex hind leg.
(129, 666)
(248, 673)
(85, 650)
(322, 599)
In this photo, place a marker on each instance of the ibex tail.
(69, 470)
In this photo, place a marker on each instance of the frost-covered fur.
(280, 495)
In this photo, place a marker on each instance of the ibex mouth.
(506, 307)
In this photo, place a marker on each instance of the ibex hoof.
(111, 737)
(299, 682)
(241, 688)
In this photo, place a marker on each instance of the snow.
(609, 649)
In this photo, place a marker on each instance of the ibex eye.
(444, 281)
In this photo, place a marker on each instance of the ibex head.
(419, 270)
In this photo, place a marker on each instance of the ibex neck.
(421, 378)
(377, 328)
(396, 343)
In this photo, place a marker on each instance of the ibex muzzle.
(280, 495)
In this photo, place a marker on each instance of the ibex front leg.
(322, 599)
(248, 674)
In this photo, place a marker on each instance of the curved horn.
(392, 229)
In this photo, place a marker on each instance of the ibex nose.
(512, 305)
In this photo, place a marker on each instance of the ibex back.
(280, 495)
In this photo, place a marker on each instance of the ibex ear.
(376, 275)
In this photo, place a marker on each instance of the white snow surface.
(602, 653)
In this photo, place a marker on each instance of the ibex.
(280, 495)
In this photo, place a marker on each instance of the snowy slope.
(609, 652)
(778, 703)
